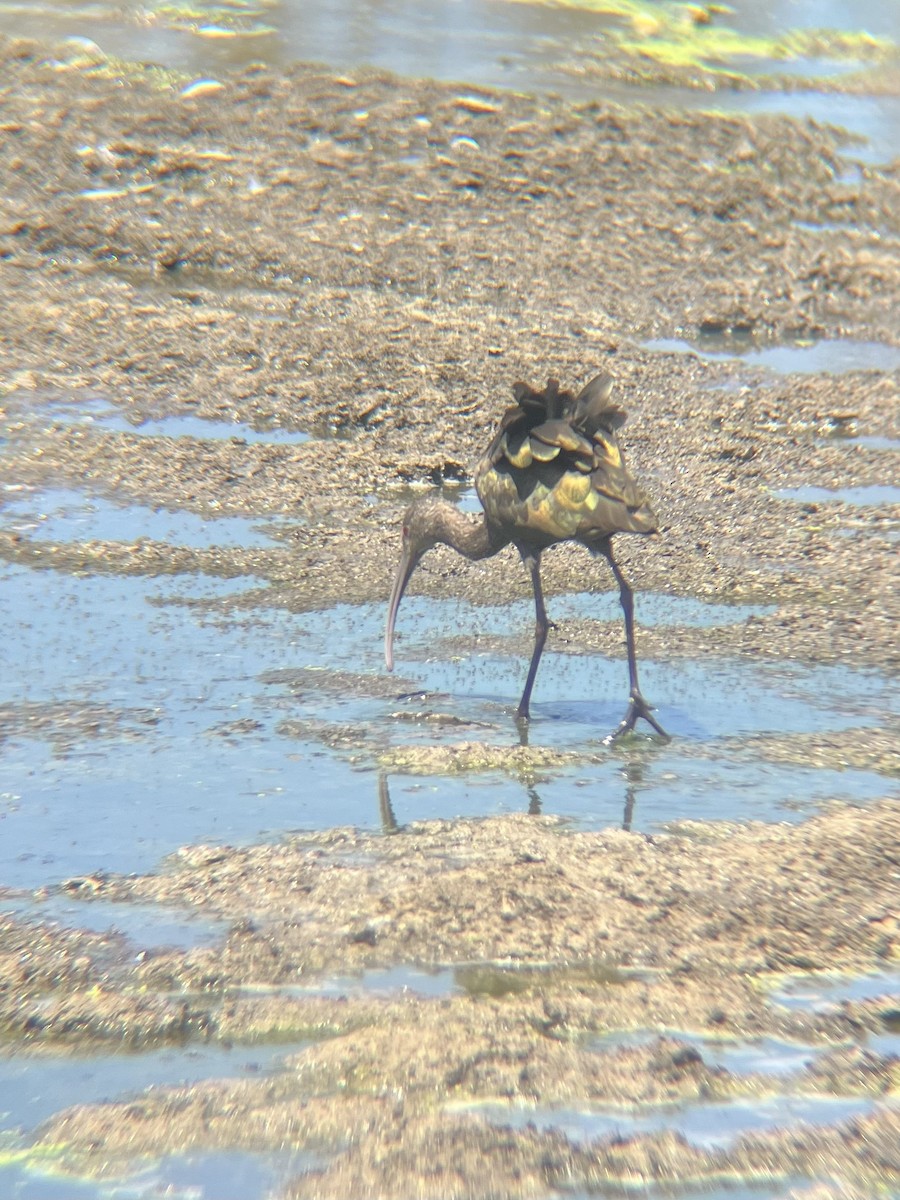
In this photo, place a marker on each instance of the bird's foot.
(523, 725)
(638, 709)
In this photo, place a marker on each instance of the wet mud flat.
(332, 281)
(565, 1019)
(412, 250)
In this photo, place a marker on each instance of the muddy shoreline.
(372, 262)
(596, 972)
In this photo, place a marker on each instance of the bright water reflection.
(711, 1126)
(825, 993)
(150, 925)
(200, 428)
(200, 1175)
(740, 1057)
(65, 515)
(34, 1087)
(84, 409)
(530, 47)
(197, 754)
(836, 356)
(873, 495)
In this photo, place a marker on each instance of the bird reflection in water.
(554, 472)
(632, 774)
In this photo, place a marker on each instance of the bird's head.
(425, 523)
(421, 531)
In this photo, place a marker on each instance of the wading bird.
(554, 472)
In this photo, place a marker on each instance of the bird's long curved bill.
(405, 568)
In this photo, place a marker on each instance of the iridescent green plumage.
(555, 470)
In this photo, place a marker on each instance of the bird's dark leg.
(388, 820)
(532, 561)
(638, 706)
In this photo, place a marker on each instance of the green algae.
(715, 48)
(236, 18)
(678, 35)
(46, 1159)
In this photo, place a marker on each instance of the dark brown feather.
(593, 411)
(554, 472)
(555, 469)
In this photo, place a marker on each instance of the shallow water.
(768, 1055)
(200, 428)
(873, 119)
(36, 408)
(777, 1190)
(834, 357)
(873, 495)
(65, 515)
(198, 754)
(711, 1126)
(765, 1056)
(491, 43)
(150, 925)
(824, 993)
(202, 1175)
(33, 1086)
(194, 749)
(877, 443)
(471, 979)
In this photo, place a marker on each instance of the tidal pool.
(200, 428)
(530, 47)
(35, 1086)
(150, 925)
(766, 1056)
(822, 993)
(201, 748)
(96, 411)
(877, 443)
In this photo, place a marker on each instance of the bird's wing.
(594, 416)
(531, 403)
(536, 431)
(523, 443)
(497, 449)
(592, 410)
(555, 466)
(583, 439)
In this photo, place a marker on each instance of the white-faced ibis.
(554, 472)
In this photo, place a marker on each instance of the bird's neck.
(469, 536)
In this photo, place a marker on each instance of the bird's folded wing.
(542, 424)
(592, 411)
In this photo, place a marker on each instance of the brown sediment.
(372, 298)
(374, 262)
(556, 941)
